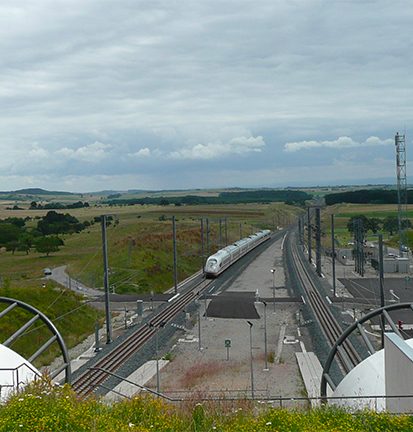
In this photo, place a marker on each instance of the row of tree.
(16, 236)
(57, 206)
(366, 196)
(389, 224)
(294, 197)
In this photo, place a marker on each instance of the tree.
(391, 224)
(406, 224)
(8, 233)
(25, 242)
(48, 244)
(19, 222)
(350, 223)
(59, 223)
(374, 224)
(12, 246)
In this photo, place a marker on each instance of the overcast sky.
(162, 94)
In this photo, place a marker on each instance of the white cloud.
(38, 152)
(214, 150)
(340, 143)
(143, 152)
(93, 153)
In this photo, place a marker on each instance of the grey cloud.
(340, 143)
(92, 153)
(167, 83)
(215, 150)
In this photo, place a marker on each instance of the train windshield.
(212, 262)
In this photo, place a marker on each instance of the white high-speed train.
(222, 259)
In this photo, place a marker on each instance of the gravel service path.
(215, 368)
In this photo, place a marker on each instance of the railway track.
(87, 382)
(348, 355)
(90, 380)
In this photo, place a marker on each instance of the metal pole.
(333, 253)
(226, 232)
(309, 233)
(220, 234)
(158, 384)
(240, 230)
(207, 236)
(206, 305)
(251, 363)
(202, 245)
(199, 330)
(318, 241)
(175, 255)
(106, 281)
(273, 287)
(381, 275)
(265, 335)
(97, 345)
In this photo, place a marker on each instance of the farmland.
(343, 212)
(140, 256)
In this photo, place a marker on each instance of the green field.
(140, 243)
(343, 212)
(74, 318)
(140, 251)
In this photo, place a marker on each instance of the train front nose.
(211, 266)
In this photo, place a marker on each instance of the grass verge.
(45, 408)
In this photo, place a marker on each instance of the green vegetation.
(139, 242)
(57, 205)
(366, 196)
(140, 255)
(16, 236)
(48, 244)
(376, 218)
(62, 306)
(254, 196)
(390, 224)
(44, 408)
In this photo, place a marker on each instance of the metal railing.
(374, 402)
(16, 380)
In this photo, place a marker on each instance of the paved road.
(60, 276)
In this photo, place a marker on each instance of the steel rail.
(332, 330)
(89, 380)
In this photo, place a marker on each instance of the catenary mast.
(400, 143)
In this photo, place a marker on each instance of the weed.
(200, 372)
(168, 356)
